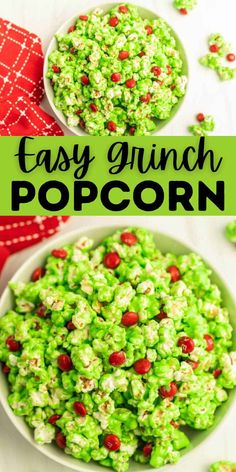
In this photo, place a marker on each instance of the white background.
(206, 93)
(207, 234)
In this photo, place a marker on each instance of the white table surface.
(207, 235)
(206, 92)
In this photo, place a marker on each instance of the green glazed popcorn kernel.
(117, 73)
(58, 340)
(203, 128)
(185, 4)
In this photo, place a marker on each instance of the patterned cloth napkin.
(21, 84)
(20, 232)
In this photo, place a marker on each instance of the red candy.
(53, 419)
(80, 409)
(187, 344)
(162, 315)
(64, 363)
(194, 364)
(79, 111)
(116, 77)
(5, 369)
(174, 272)
(83, 17)
(209, 342)
(123, 55)
(59, 253)
(141, 54)
(130, 318)
(112, 442)
(113, 21)
(71, 29)
(183, 11)
(117, 358)
(132, 130)
(70, 326)
(142, 366)
(168, 70)
(112, 260)
(147, 450)
(130, 83)
(129, 238)
(37, 274)
(60, 440)
(145, 98)
(12, 344)
(165, 393)
(231, 57)
(111, 126)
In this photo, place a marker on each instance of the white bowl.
(165, 244)
(145, 13)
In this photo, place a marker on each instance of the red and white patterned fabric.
(20, 232)
(21, 84)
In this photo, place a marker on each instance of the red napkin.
(21, 84)
(20, 232)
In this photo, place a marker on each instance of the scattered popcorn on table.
(223, 466)
(111, 354)
(184, 6)
(117, 73)
(220, 53)
(206, 125)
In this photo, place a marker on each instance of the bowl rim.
(76, 130)
(68, 238)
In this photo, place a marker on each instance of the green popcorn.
(44, 433)
(223, 466)
(86, 362)
(219, 51)
(227, 363)
(116, 79)
(56, 344)
(230, 231)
